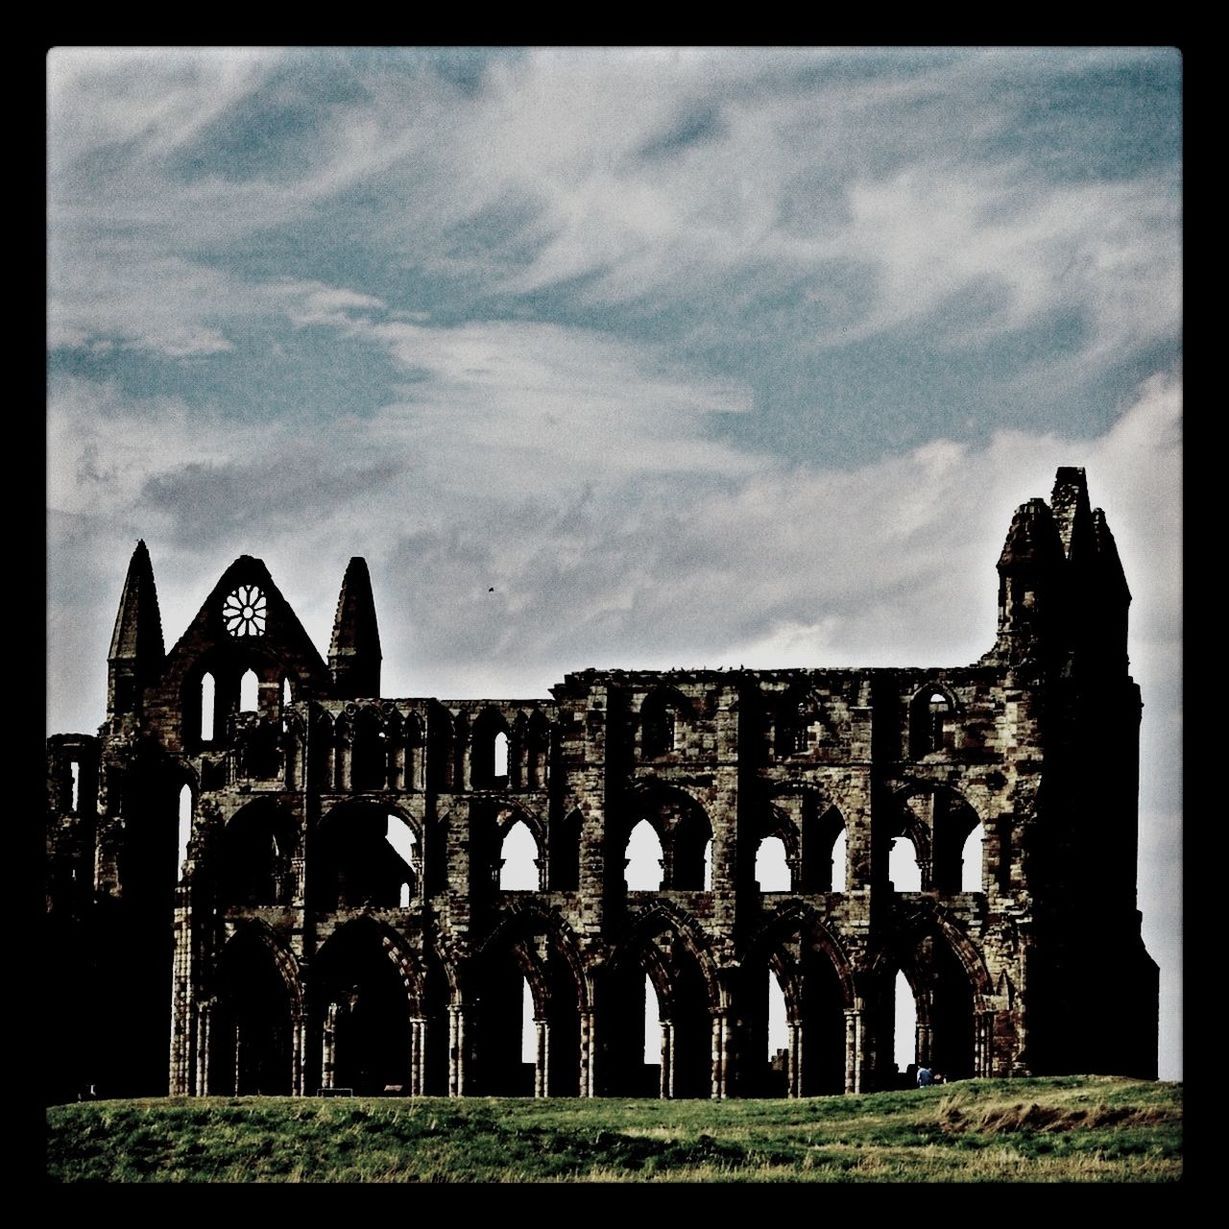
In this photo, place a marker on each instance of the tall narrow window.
(839, 865)
(185, 828)
(643, 859)
(401, 837)
(529, 1031)
(207, 691)
(286, 693)
(248, 688)
(501, 755)
(905, 1050)
(778, 1033)
(75, 769)
(971, 866)
(708, 865)
(652, 1024)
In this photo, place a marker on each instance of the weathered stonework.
(293, 949)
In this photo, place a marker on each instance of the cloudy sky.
(694, 357)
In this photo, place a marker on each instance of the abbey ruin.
(332, 912)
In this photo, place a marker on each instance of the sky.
(628, 357)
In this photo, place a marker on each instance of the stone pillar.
(795, 1058)
(330, 765)
(983, 1041)
(923, 1044)
(465, 783)
(204, 1019)
(588, 1054)
(541, 1070)
(456, 1050)
(182, 1000)
(328, 1049)
(721, 1057)
(855, 1050)
(666, 1091)
(418, 1055)
(298, 1057)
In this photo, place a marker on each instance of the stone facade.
(278, 941)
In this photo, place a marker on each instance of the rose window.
(243, 612)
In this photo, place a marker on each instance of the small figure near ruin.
(924, 1077)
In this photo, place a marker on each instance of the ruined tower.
(278, 881)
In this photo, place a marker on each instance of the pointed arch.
(932, 713)
(664, 713)
(490, 738)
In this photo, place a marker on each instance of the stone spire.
(137, 652)
(354, 652)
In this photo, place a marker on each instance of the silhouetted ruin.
(328, 914)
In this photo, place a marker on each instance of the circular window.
(243, 612)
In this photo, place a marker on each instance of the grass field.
(1068, 1129)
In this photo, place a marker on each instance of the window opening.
(903, 870)
(905, 1023)
(771, 867)
(529, 1031)
(839, 864)
(652, 1024)
(185, 828)
(248, 692)
(971, 866)
(207, 697)
(501, 754)
(519, 852)
(778, 1033)
(75, 768)
(644, 857)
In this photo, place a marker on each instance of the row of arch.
(524, 1016)
(370, 854)
(490, 752)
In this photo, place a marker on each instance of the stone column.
(923, 1044)
(330, 765)
(795, 1058)
(345, 755)
(983, 1042)
(182, 1005)
(855, 1049)
(418, 1054)
(328, 1054)
(721, 1045)
(541, 1071)
(298, 1055)
(456, 1050)
(588, 1053)
(666, 1091)
(204, 1018)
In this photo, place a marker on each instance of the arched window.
(905, 1017)
(287, 694)
(778, 1033)
(707, 874)
(840, 865)
(401, 837)
(501, 756)
(971, 861)
(903, 869)
(794, 717)
(248, 692)
(185, 828)
(652, 1024)
(644, 858)
(771, 868)
(929, 728)
(518, 870)
(207, 698)
(529, 1030)
(74, 767)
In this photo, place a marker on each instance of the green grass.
(1062, 1129)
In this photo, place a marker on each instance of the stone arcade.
(280, 940)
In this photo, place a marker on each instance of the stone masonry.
(278, 941)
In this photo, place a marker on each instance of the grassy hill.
(1068, 1129)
